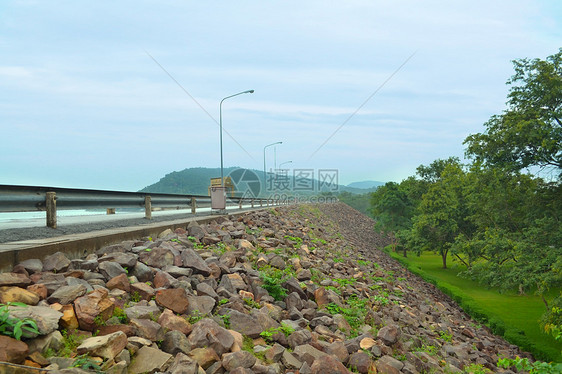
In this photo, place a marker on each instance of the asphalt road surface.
(17, 230)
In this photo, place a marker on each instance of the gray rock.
(149, 360)
(308, 354)
(207, 333)
(67, 294)
(183, 364)
(204, 304)
(243, 359)
(175, 342)
(192, 260)
(57, 262)
(47, 319)
(110, 269)
(389, 334)
(245, 324)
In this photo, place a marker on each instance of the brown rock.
(57, 262)
(360, 361)
(110, 329)
(107, 346)
(120, 282)
(147, 329)
(14, 279)
(388, 364)
(39, 289)
(207, 333)
(68, 319)
(169, 321)
(144, 291)
(328, 365)
(18, 295)
(12, 350)
(174, 299)
(325, 297)
(240, 359)
(92, 305)
(205, 357)
(157, 257)
(192, 260)
(389, 334)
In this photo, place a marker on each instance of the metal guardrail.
(49, 199)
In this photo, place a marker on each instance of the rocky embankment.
(297, 289)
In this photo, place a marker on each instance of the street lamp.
(269, 145)
(220, 120)
(283, 163)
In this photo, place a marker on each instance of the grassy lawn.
(519, 313)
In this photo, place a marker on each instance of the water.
(24, 216)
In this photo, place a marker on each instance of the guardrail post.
(240, 204)
(193, 205)
(110, 210)
(261, 202)
(252, 203)
(147, 207)
(51, 206)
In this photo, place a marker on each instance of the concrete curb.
(79, 245)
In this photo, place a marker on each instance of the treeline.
(501, 213)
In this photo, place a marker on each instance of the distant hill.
(366, 184)
(195, 181)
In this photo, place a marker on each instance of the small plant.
(338, 259)
(251, 303)
(363, 263)
(344, 282)
(135, 297)
(120, 314)
(99, 321)
(225, 320)
(537, 367)
(222, 302)
(297, 242)
(476, 369)
(86, 363)
(272, 279)
(14, 327)
(284, 328)
(445, 336)
(70, 342)
(195, 317)
(429, 349)
(321, 241)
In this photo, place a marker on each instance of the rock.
(203, 289)
(147, 329)
(164, 280)
(290, 361)
(14, 279)
(207, 333)
(192, 260)
(57, 262)
(233, 283)
(92, 305)
(120, 282)
(245, 244)
(143, 290)
(174, 299)
(125, 259)
(142, 311)
(12, 350)
(107, 346)
(203, 304)
(245, 324)
(241, 359)
(67, 294)
(169, 321)
(68, 320)
(324, 297)
(338, 350)
(298, 338)
(328, 365)
(157, 257)
(307, 353)
(277, 262)
(389, 334)
(388, 364)
(110, 269)
(205, 357)
(275, 353)
(33, 265)
(47, 319)
(11, 294)
(183, 365)
(142, 272)
(149, 360)
(175, 342)
(38, 289)
(360, 361)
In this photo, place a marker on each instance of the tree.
(392, 210)
(442, 212)
(529, 132)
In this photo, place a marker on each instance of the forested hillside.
(500, 215)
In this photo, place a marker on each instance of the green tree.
(529, 132)
(392, 210)
(442, 213)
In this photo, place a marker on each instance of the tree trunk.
(444, 257)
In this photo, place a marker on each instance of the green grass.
(517, 315)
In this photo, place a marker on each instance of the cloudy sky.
(115, 94)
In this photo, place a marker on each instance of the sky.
(115, 94)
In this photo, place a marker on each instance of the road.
(34, 228)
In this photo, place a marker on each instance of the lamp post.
(220, 121)
(283, 163)
(264, 174)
